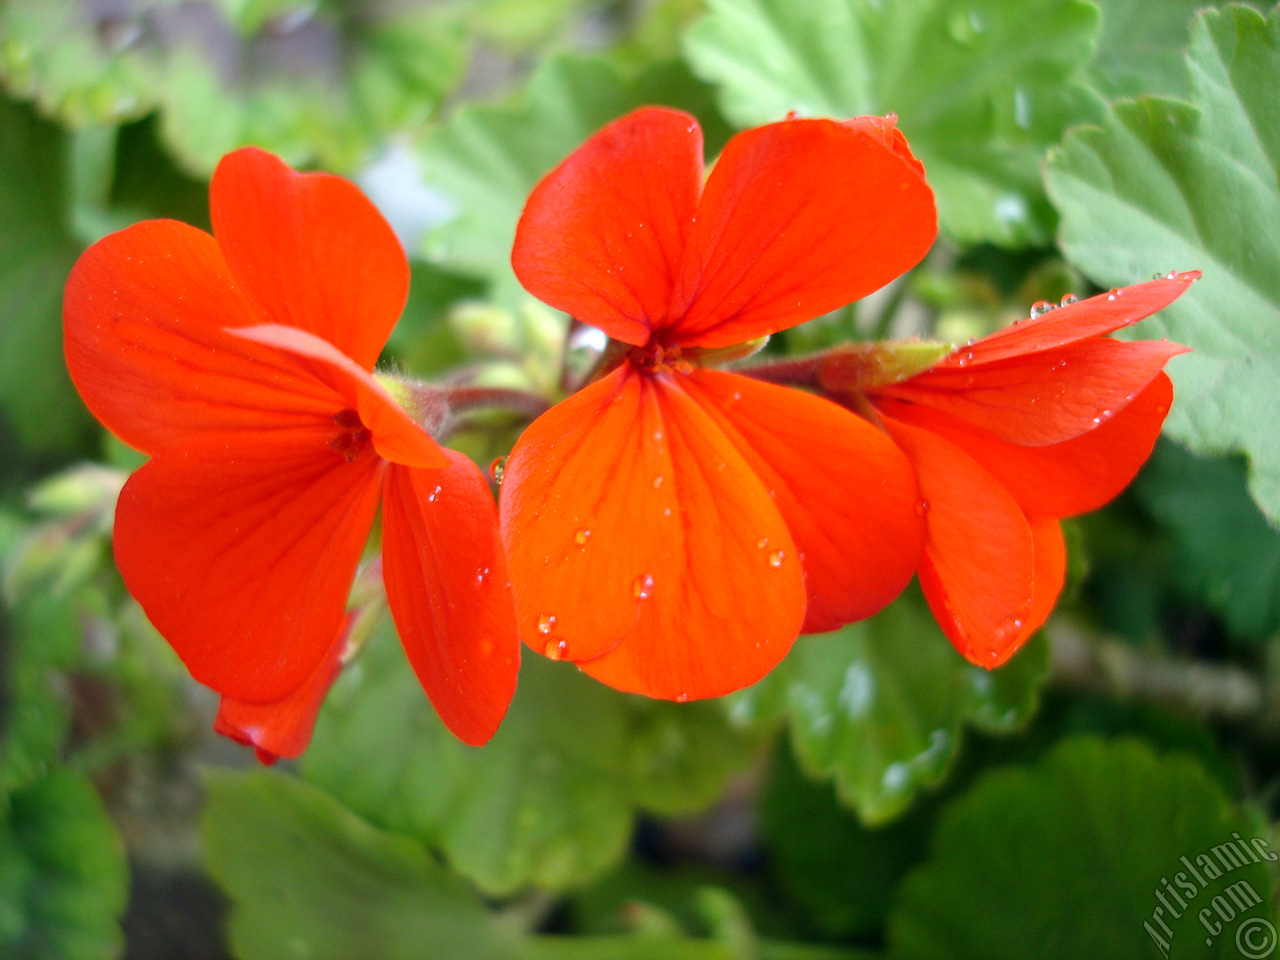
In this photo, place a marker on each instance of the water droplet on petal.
(922, 507)
(1068, 299)
(582, 536)
(642, 587)
(546, 623)
(555, 647)
(1158, 276)
(1040, 308)
(762, 543)
(497, 468)
(776, 558)
(482, 575)
(657, 436)
(657, 482)
(434, 495)
(682, 698)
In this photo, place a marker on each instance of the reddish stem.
(794, 371)
(517, 401)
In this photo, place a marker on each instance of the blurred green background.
(875, 796)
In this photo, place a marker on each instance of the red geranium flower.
(670, 527)
(1047, 419)
(241, 366)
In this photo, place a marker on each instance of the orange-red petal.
(1067, 478)
(635, 529)
(798, 218)
(145, 343)
(1050, 574)
(847, 493)
(978, 572)
(396, 436)
(449, 593)
(1069, 324)
(602, 234)
(311, 249)
(1047, 397)
(282, 728)
(242, 552)
(1049, 569)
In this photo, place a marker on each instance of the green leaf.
(1140, 49)
(81, 68)
(35, 715)
(67, 625)
(550, 801)
(980, 89)
(641, 897)
(309, 878)
(486, 159)
(1227, 553)
(63, 879)
(36, 253)
(517, 24)
(842, 874)
(145, 184)
(311, 81)
(423, 340)
(1066, 860)
(1165, 185)
(878, 706)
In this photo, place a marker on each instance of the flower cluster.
(670, 527)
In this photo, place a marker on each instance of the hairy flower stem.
(520, 402)
(793, 371)
(854, 367)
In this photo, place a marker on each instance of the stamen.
(354, 438)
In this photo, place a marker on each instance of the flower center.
(353, 438)
(655, 357)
